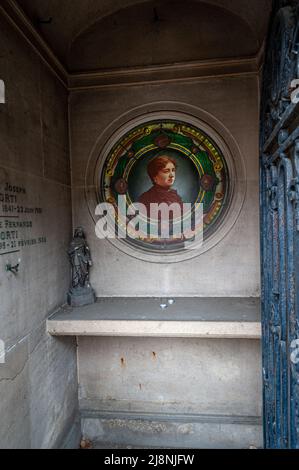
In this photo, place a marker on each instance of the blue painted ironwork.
(279, 201)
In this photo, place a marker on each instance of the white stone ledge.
(187, 318)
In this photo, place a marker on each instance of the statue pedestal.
(80, 296)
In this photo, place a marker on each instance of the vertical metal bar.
(266, 201)
(290, 287)
(274, 324)
(263, 211)
(285, 222)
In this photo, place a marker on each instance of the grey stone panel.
(38, 388)
(44, 273)
(20, 117)
(38, 381)
(199, 432)
(170, 375)
(54, 102)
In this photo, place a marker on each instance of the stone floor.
(85, 444)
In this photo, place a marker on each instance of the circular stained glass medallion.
(164, 161)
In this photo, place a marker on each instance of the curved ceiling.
(243, 22)
(159, 33)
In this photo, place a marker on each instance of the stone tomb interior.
(75, 78)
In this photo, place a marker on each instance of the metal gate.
(279, 166)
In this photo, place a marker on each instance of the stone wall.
(38, 380)
(229, 269)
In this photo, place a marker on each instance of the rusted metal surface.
(279, 168)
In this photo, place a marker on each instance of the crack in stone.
(10, 379)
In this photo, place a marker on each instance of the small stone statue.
(81, 293)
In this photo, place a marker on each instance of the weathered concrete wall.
(167, 375)
(170, 392)
(38, 380)
(229, 269)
